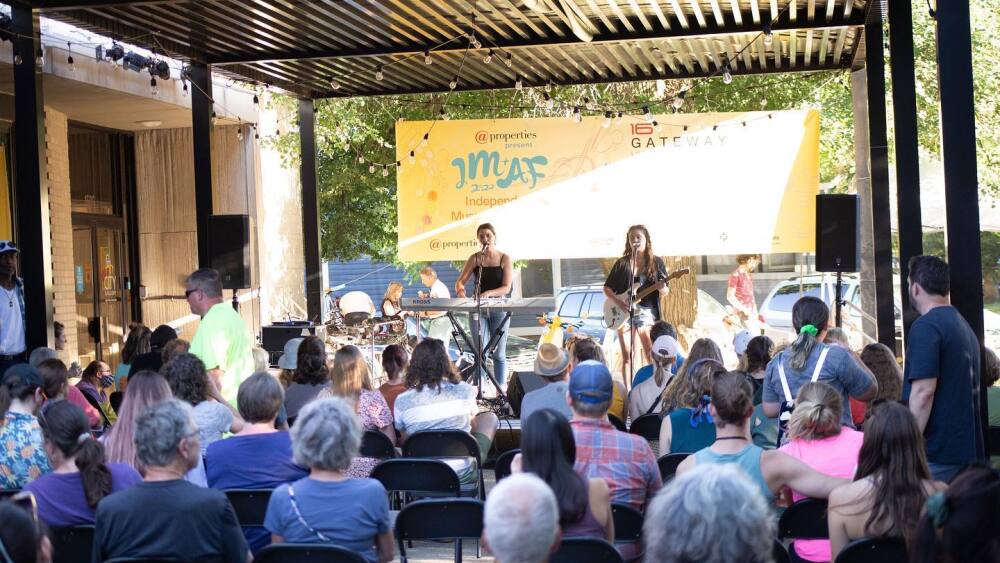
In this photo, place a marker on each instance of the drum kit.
(352, 321)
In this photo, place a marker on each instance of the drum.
(356, 307)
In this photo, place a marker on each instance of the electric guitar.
(615, 316)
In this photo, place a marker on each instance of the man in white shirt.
(439, 326)
(12, 343)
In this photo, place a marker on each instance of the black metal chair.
(116, 399)
(250, 505)
(440, 519)
(885, 550)
(668, 464)
(377, 445)
(618, 423)
(779, 553)
(994, 438)
(447, 444)
(502, 467)
(628, 523)
(307, 553)
(72, 544)
(7, 493)
(647, 426)
(404, 477)
(805, 519)
(586, 550)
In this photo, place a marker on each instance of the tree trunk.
(680, 306)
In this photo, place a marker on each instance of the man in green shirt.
(222, 340)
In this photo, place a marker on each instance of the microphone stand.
(476, 324)
(631, 319)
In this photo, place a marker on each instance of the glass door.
(101, 304)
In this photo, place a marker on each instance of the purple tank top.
(586, 527)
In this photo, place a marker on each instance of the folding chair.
(779, 552)
(994, 438)
(586, 550)
(307, 553)
(250, 505)
(805, 519)
(884, 550)
(7, 493)
(628, 523)
(72, 544)
(502, 467)
(617, 423)
(440, 519)
(377, 445)
(668, 464)
(448, 444)
(416, 478)
(647, 426)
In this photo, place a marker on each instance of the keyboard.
(529, 304)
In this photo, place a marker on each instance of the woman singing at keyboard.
(495, 272)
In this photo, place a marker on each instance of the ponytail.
(817, 412)
(810, 316)
(65, 426)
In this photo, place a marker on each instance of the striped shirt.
(625, 461)
(449, 407)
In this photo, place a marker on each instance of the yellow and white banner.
(712, 183)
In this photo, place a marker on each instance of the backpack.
(785, 412)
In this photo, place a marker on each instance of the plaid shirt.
(624, 461)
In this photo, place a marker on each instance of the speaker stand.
(837, 301)
(236, 303)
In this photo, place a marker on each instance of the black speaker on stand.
(837, 238)
(229, 244)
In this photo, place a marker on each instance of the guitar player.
(649, 270)
(740, 295)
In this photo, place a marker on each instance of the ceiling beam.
(61, 5)
(675, 32)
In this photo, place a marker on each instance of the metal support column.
(961, 184)
(904, 109)
(201, 128)
(310, 211)
(879, 162)
(31, 190)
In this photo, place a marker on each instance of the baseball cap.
(8, 246)
(666, 346)
(551, 360)
(740, 341)
(25, 373)
(590, 382)
(289, 358)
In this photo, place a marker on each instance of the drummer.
(438, 327)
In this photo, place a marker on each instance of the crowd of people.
(893, 451)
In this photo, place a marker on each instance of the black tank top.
(492, 276)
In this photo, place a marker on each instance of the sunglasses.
(188, 292)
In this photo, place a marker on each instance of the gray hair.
(207, 280)
(39, 355)
(259, 398)
(159, 430)
(712, 514)
(521, 519)
(326, 435)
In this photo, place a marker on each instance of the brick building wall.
(61, 224)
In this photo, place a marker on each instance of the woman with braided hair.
(817, 439)
(80, 476)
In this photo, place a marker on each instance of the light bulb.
(427, 58)
(489, 57)
(768, 36)
(548, 86)
(239, 134)
(549, 102)
(656, 125)
(443, 114)
(727, 77)
(423, 142)
(453, 84)
(71, 63)
(378, 73)
(518, 84)
(256, 100)
(371, 169)
(678, 102)
(607, 120)
(17, 58)
(621, 117)
(334, 85)
(385, 171)
(645, 113)
(40, 60)
(184, 89)
(509, 61)
(361, 159)
(763, 102)
(412, 157)
(152, 87)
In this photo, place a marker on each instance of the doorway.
(102, 176)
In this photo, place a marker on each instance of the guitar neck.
(651, 289)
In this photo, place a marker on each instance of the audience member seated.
(881, 361)
(702, 349)
(153, 360)
(549, 451)
(660, 328)
(710, 514)
(690, 428)
(890, 485)
(962, 524)
(521, 520)
(22, 458)
(310, 376)
(394, 362)
(584, 348)
(22, 538)
(136, 344)
(212, 414)
(816, 438)
(327, 506)
(809, 356)
(625, 461)
(261, 359)
(96, 378)
(173, 349)
(769, 470)
(351, 380)
(438, 400)
(647, 397)
(756, 358)
(258, 456)
(55, 380)
(287, 362)
(40, 354)
(80, 477)
(552, 378)
(166, 516)
(991, 373)
(145, 389)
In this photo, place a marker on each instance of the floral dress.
(374, 413)
(23, 458)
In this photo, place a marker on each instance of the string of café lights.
(543, 101)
